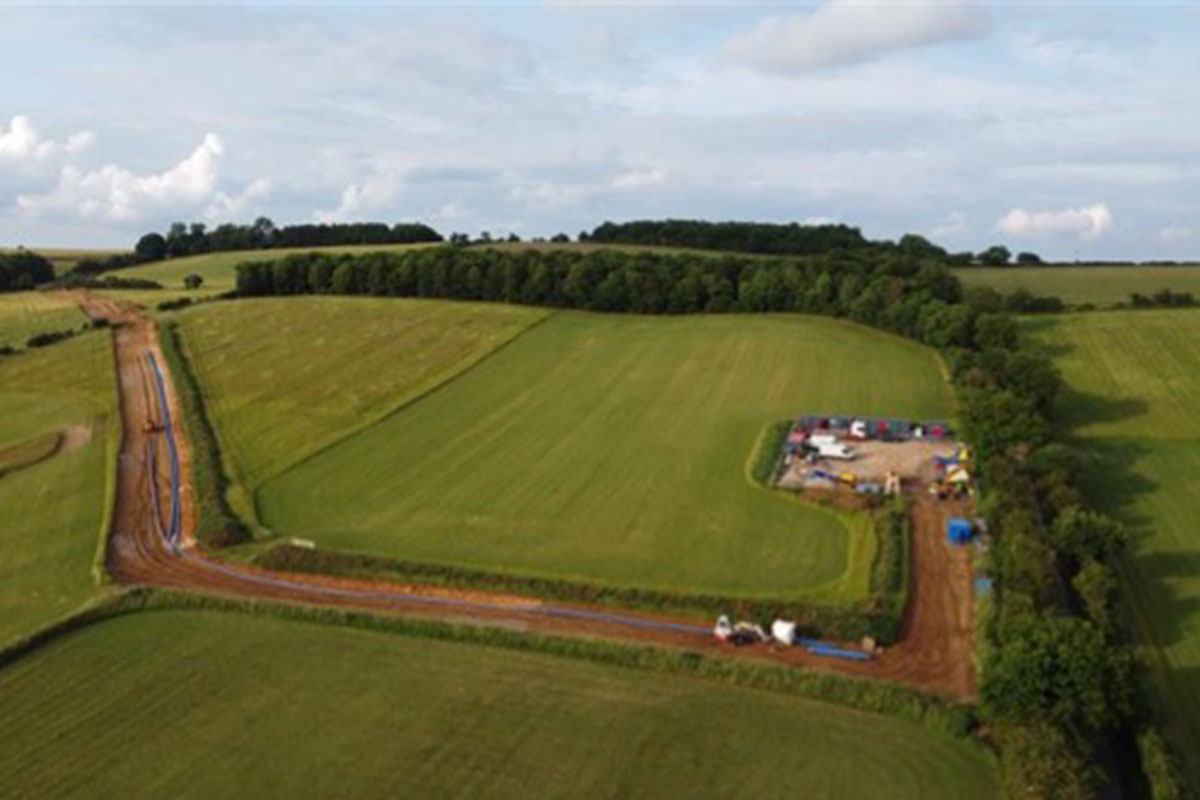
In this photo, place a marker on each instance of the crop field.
(1136, 395)
(198, 704)
(1100, 286)
(603, 448)
(51, 512)
(22, 314)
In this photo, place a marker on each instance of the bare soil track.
(934, 655)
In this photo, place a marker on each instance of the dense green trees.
(746, 237)
(902, 293)
(23, 269)
(151, 247)
(995, 256)
(182, 240)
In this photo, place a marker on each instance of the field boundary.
(944, 716)
(435, 384)
(848, 623)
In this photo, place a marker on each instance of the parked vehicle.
(836, 450)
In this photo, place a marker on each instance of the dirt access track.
(152, 543)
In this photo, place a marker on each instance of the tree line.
(1058, 683)
(187, 240)
(792, 238)
(21, 270)
(909, 296)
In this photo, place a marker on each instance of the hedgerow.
(873, 617)
(217, 524)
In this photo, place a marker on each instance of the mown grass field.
(197, 704)
(1135, 378)
(51, 512)
(601, 448)
(22, 314)
(286, 377)
(1100, 286)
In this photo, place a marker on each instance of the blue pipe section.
(174, 524)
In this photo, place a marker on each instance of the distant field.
(604, 448)
(1136, 377)
(22, 314)
(218, 271)
(1101, 286)
(195, 704)
(50, 513)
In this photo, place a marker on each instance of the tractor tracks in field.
(152, 543)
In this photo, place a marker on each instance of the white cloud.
(227, 206)
(1085, 222)
(116, 194)
(639, 179)
(372, 194)
(1173, 234)
(20, 141)
(852, 31)
(78, 142)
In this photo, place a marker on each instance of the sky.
(1069, 129)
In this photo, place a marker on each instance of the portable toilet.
(958, 530)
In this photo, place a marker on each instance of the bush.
(23, 270)
(1058, 672)
(768, 453)
(48, 338)
(1042, 761)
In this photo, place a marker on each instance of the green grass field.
(600, 448)
(1100, 286)
(287, 377)
(22, 314)
(1136, 382)
(51, 513)
(197, 704)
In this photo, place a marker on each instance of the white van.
(836, 450)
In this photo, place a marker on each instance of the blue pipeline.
(173, 526)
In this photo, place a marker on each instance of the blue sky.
(1072, 129)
